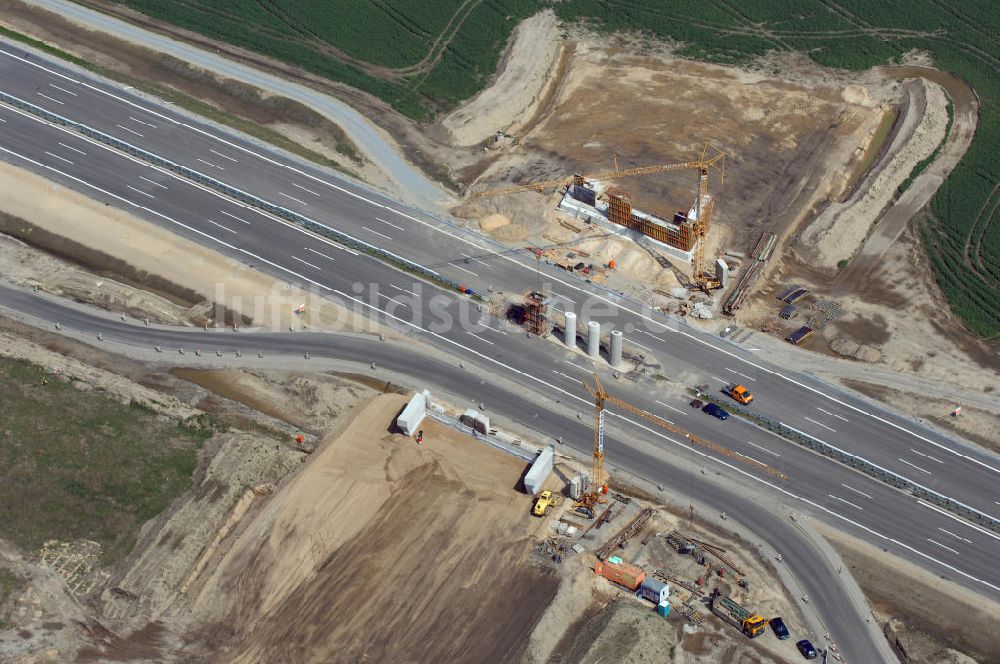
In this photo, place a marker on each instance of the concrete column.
(722, 272)
(570, 337)
(594, 339)
(616, 347)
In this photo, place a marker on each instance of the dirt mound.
(377, 551)
(493, 222)
(848, 348)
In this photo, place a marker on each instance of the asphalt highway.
(671, 348)
(856, 638)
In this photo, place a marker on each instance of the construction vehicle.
(748, 622)
(545, 502)
(738, 393)
(598, 480)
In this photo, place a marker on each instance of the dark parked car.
(715, 411)
(780, 631)
(806, 649)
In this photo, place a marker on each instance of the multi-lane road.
(673, 349)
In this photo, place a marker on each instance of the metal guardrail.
(858, 463)
(238, 194)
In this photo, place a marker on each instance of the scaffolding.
(681, 233)
(536, 313)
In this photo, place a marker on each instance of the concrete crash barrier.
(540, 470)
(414, 413)
(863, 465)
(238, 194)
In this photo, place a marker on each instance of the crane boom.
(601, 397)
(702, 165)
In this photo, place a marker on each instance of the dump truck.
(739, 393)
(544, 503)
(746, 621)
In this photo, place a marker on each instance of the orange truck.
(739, 393)
(623, 574)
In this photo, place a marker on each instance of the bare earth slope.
(376, 551)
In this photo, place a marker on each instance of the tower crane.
(704, 204)
(599, 483)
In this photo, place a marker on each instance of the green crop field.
(78, 464)
(425, 57)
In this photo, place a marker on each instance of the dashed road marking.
(297, 200)
(210, 163)
(376, 232)
(319, 253)
(389, 223)
(233, 216)
(299, 186)
(846, 502)
(69, 92)
(215, 223)
(304, 262)
(763, 449)
(943, 546)
(131, 131)
(851, 488)
(916, 466)
(224, 156)
(480, 338)
(153, 182)
(70, 147)
(821, 424)
(52, 154)
(42, 94)
(140, 191)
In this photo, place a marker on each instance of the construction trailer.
(540, 470)
(746, 621)
(654, 590)
(625, 575)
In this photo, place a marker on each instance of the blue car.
(715, 411)
(806, 649)
(780, 631)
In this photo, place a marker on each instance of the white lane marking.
(658, 434)
(210, 164)
(739, 373)
(671, 407)
(376, 232)
(926, 456)
(933, 459)
(916, 452)
(69, 92)
(636, 343)
(862, 493)
(763, 449)
(155, 184)
(943, 546)
(747, 456)
(473, 258)
(480, 338)
(297, 200)
(42, 94)
(151, 126)
(572, 378)
(315, 267)
(403, 289)
(221, 226)
(841, 417)
(960, 520)
(821, 424)
(724, 382)
(958, 537)
(916, 466)
(319, 253)
(389, 223)
(574, 364)
(459, 267)
(140, 191)
(224, 156)
(559, 295)
(387, 297)
(131, 131)
(650, 334)
(822, 410)
(846, 502)
(310, 191)
(450, 233)
(233, 216)
(70, 147)
(2, 120)
(52, 154)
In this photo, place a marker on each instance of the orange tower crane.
(598, 479)
(704, 204)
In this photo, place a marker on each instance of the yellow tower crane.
(598, 479)
(704, 204)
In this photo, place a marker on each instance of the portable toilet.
(663, 609)
(654, 590)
